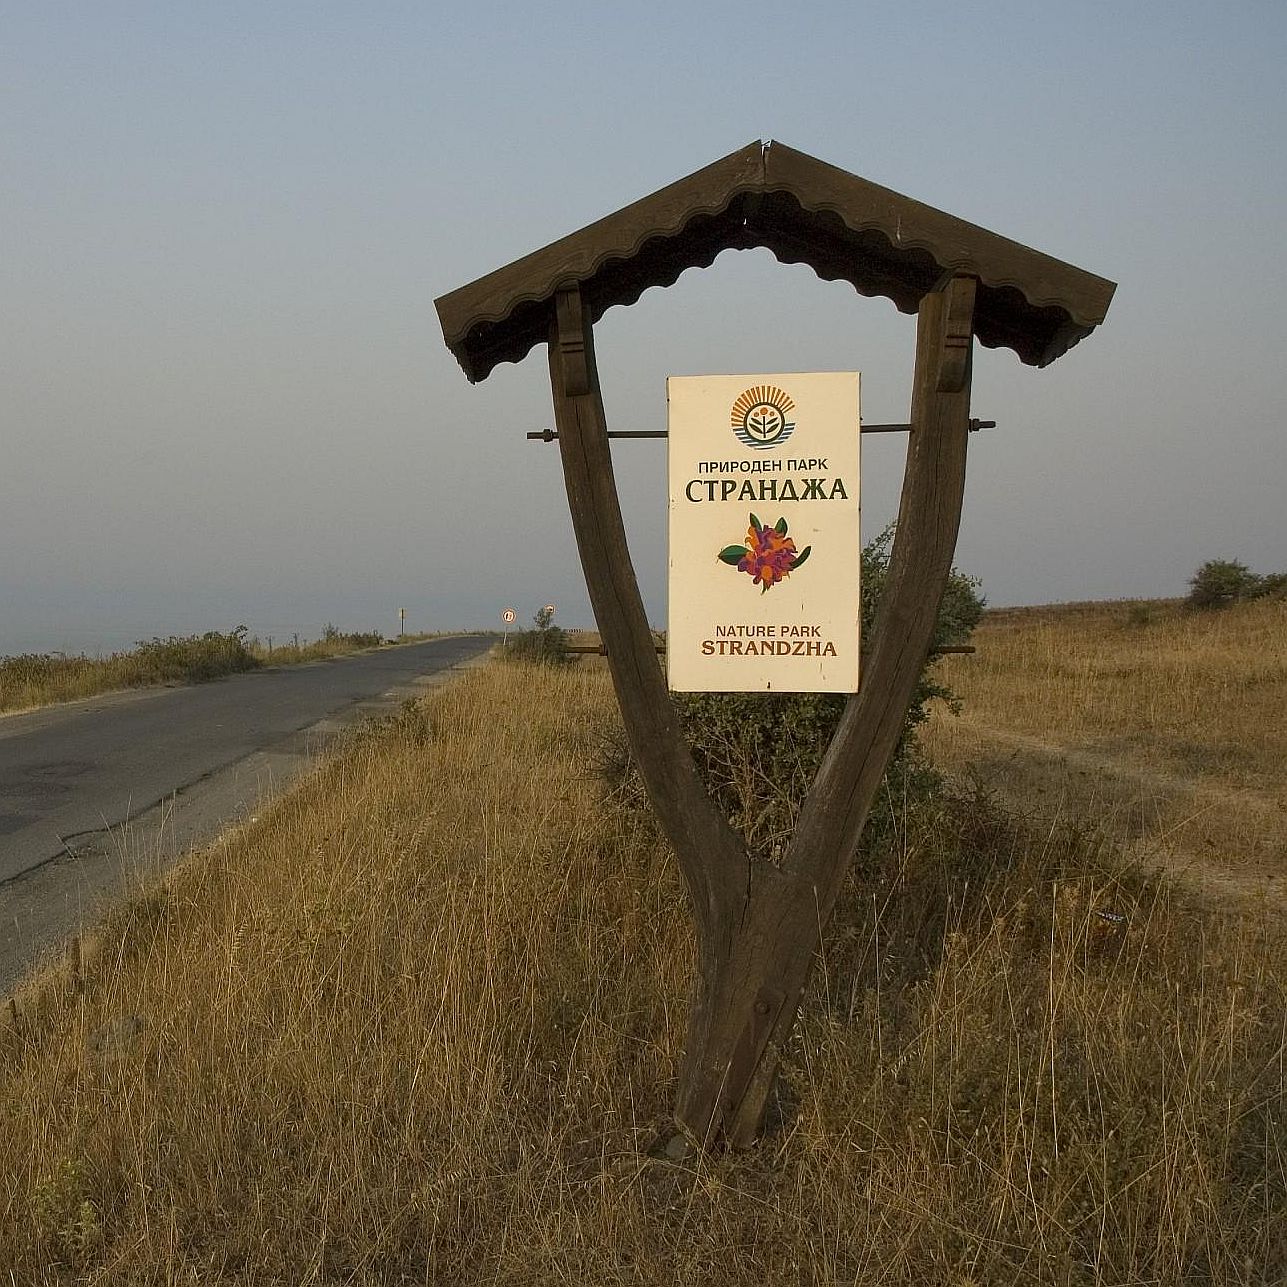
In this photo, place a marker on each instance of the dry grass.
(420, 1024)
(42, 679)
(32, 680)
(1169, 727)
(1190, 692)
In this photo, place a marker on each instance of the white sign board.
(764, 543)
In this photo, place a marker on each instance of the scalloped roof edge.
(804, 211)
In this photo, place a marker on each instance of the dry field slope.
(420, 1023)
(1165, 727)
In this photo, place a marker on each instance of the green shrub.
(1273, 586)
(1220, 582)
(546, 645)
(194, 657)
(353, 638)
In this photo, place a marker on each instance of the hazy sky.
(224, 395)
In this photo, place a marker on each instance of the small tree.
(1220, 582)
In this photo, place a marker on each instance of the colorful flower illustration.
(768, 555)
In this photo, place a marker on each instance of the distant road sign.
(508, 615)
(549, 607)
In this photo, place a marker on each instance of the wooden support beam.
(731, 1056)
(929, 518)
(709, 851)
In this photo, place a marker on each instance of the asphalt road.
(92, 791)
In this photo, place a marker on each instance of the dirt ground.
(1227, 843)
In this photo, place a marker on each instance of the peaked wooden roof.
(804, 211)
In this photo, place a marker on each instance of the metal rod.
(552, 435)
(602, 651)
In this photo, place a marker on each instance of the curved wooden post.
(710, 852)
(759, 926)
(731, 1065)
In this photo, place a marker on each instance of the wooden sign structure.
(759, 925)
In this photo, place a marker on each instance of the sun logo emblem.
(760, 417)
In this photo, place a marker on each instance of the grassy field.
(420, 1023)
(42, 679)
(1166, 727)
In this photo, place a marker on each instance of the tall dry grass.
(1168, 726)
(32, 680)
(41, 679)
(1200, 693)
(420, 1023)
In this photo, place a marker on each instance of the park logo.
(768, 555)
(760, 417)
